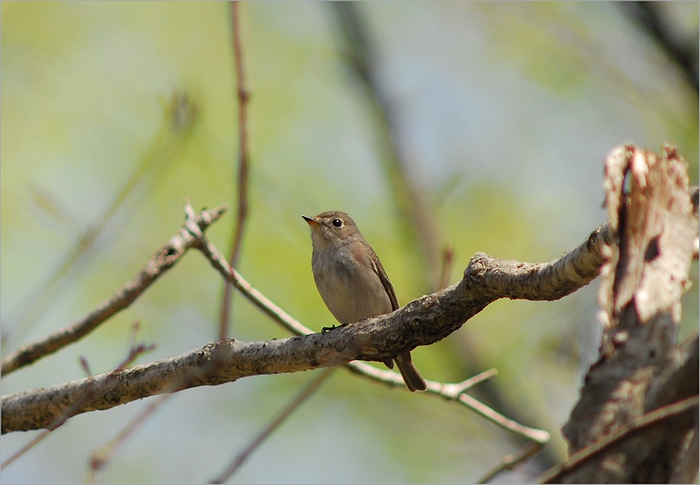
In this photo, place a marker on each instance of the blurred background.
(461, 125)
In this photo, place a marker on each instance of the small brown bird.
(352, 280)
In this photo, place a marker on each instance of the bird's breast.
(350, 287)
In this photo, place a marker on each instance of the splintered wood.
(640, 368)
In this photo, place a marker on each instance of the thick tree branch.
(516, 280)
(422, 322)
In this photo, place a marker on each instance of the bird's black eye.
(337, 223)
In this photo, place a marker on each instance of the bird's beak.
(310, 220)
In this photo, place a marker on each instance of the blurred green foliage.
(507, 111)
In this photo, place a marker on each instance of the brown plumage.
(352, 281)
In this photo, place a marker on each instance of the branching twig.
(243, 95)
(510, 461)
(181, 113)
(99, 458)
(162, 261)
(292, 406)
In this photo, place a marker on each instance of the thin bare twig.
(360, 52)
(181, 113)
(652, 418)
(243, 96)
(456, 392)
(162, 261)
(511, 461)
(292, 406)
(99, 458)
(447, 260)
